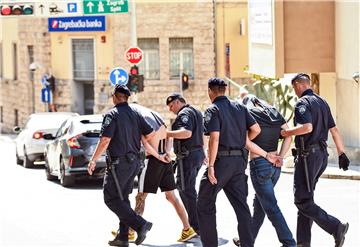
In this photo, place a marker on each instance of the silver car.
(30, 143)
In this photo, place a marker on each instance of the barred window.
(150, 65)
(83, 59)
(15, 63)
(181, 57)
(30, 49)
(1, 61)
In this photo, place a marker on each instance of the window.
(1, 61)
(83, 59)
(15, 64)
(30, 49)
(150, 65)
(1, 114)
(16, 117)
(181, 57)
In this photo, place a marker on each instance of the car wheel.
(66, 181)
(47, 171)
(27, 163)
(18, 160)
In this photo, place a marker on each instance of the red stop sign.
(133, 55)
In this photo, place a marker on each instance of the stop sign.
(133, 55)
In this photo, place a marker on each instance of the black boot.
(339, 235)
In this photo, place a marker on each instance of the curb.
(331, 173)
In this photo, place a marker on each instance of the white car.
(30, 144)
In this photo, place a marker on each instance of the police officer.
(187, 131)
(313, 120)
(121, 133)
(227, 123)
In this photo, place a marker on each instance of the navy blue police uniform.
(191, 149)
(124, 125)
(312, 109)
(231, 120)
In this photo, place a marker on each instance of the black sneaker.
(141, 234)
(236, 241)
(117, 242)
(340, 234)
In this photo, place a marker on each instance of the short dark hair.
(300, 77)
(218, 89)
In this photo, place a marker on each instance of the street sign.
(134, 55)
(92, 7)
(58, 8)
(45, 95)
(77, 24)
(118, 76)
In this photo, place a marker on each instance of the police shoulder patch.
(107, 120)
(207, 117)
(185, 119)
(302, 109)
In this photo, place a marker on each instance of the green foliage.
(275, 93)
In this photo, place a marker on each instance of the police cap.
(216, 82)
(173, 97)
(300, 77)
(122, 89)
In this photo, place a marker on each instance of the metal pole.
(133, 40)
(33, 96)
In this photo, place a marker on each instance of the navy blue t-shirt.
(124, 125)
(191, 119)
(231, 119)
(311, 108)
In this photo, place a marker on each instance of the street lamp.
(355, 76)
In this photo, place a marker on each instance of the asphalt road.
(36, 212)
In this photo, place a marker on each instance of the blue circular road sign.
(118, 76)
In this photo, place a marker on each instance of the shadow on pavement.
(195, 242)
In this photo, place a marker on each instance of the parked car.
(30, 143)
(69, 152)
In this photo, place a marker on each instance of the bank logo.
(54, 24)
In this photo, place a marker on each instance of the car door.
(52, 150)
(59, 143)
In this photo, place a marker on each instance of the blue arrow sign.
(45, 95)
(118, 76)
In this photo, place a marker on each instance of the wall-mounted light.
(355, 76)
(242, 27)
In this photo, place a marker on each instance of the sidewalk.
(332, 171)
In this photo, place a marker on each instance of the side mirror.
(48, 137)
(16, 129)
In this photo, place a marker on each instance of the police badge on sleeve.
(184, 119)
(207, 117)
(302, 109)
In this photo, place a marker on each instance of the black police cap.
(299, 77)
(173, 97)
(216, 82)
(122, 89)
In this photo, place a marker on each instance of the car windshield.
(46, 121)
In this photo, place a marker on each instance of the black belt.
(311, 148)
(230, 153)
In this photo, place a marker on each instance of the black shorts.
(156, 174)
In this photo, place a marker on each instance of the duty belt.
(230, 153)
(185, 153)
(311, 148)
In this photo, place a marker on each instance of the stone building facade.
(194, 24)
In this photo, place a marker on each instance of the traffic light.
(136, 81)
(184, 81)
(16, 9)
